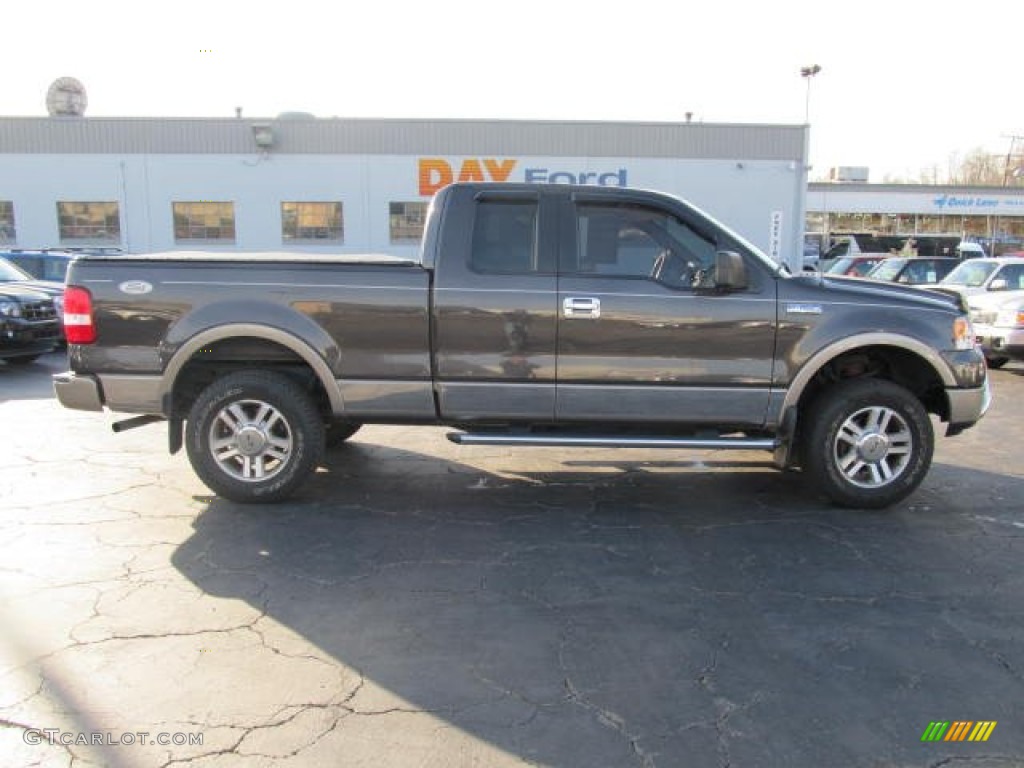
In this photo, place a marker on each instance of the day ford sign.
(437, 172)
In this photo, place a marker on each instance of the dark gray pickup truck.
(535, 315)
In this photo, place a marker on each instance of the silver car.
(999, 331)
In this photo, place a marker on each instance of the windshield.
(972, 274)
(11, 274)
(839, 267)
(889, 269)
(853, 266)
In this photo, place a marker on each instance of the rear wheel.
(868, 443)
(254, 436)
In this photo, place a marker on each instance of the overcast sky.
(904, 84)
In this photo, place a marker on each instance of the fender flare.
(814, 364)
(186, 352)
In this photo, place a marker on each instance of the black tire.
(868, 443)
(254, 436)
(22, 360)
(996, 362)
(337, 432)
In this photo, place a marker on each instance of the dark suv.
(29, 326)
(12, 277)
(51, 265)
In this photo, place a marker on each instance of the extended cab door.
(644, 336)
(494, 310)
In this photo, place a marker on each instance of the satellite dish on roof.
(66, 97)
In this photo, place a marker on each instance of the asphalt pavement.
(425, 604)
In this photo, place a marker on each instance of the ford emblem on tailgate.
(135, 286)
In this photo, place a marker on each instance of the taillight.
(79, 327)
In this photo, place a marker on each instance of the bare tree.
(979, 168)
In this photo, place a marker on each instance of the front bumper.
(19, 337)
(1000, 342)
(82, 393)
(967, 406)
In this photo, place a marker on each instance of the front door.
(643, 336)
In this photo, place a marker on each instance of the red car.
(856, 266)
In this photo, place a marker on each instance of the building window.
(814, 222)
(406, 221)
(89, 221)
(7, 232)
(204, 221)
(312, 221)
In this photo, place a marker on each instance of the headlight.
(10, 309)
(1010, 318)
(963, 333)
(58, 304)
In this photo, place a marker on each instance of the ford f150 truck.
(535, 315)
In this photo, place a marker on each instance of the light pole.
(808, 73)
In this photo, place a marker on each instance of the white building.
(992, 216)
(343, 185)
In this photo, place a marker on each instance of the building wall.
(744, 195)
(929, 200)
(992, 216)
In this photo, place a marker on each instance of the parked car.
(1000, 331)
(977, 276)
(920, 271)
(50, 265)
(855, 266)
(866, 243)
(969, 250)
(11, 275)
(28, 323)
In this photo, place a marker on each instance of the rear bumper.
(79, 392)
(126, 393)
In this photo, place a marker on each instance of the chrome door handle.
(581, 307)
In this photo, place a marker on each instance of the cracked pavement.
(424, 604)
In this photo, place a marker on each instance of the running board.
(612, 441)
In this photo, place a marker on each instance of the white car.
(1003, 274)
(999, 329)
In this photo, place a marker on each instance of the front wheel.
(996, 362)
(254, 436)
(869, 443)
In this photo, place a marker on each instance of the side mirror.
(998, 284)
(730, 271)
